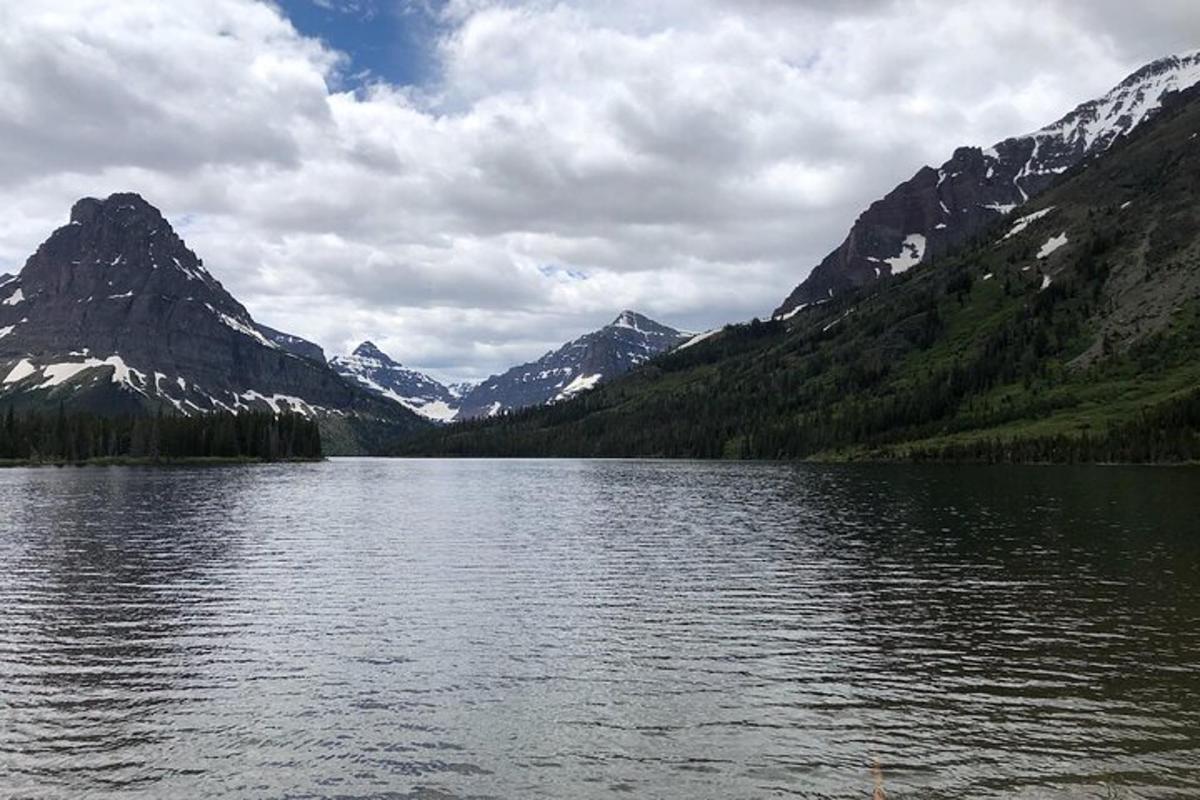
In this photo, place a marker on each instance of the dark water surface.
(574, 629)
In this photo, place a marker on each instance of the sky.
(470, 183)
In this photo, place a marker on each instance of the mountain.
(373, 369)
(631, 339)
(937, 210)
(1070, 333)
(114, 314)
(293, 344)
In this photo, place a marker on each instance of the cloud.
(692, 159)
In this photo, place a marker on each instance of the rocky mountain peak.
(377, 372)
(1093, 126)
(114, 313)
(121, 245)
(631, 319)
(369, 349)
(128, 208)
(629, 340)
(641, 324)
(627, 317)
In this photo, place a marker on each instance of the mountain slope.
(1069, 333)
(293, 344)
(937, 211)
(629, 340)
(114, 314)
(375, 371)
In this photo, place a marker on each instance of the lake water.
(583, 629)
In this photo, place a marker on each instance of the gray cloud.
(693, 159)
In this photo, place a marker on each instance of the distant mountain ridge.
(377, 372)
(114, 314)
(629, 340)
(937, 210)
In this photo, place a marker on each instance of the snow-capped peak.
(641, 324)
(629, 319)
(114, 311)
(629, 340)
(997, 179)
(369, 349)
(1097, 123)
(375, 370)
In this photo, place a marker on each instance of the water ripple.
(526, 629)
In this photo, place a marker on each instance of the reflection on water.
(574, 629)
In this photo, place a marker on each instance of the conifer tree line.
(1168, 433)
(79, 437)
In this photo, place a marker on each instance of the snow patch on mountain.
(281, 403)
(911, 253)
(22, 370)
(1024, 222)
(58, 373)
(700, 337)
(833, 324)
(55, 374)
(581, 384)
(243, 328)
(1052, 245)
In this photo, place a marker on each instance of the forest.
(76, 438)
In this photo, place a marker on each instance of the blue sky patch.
(388, 40)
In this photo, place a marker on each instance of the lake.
(592, 629)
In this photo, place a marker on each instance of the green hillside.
(1075, 336)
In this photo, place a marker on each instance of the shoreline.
(820, 460)
(131, 461)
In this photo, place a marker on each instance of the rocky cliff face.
(374, 370)
(114, 313)
(631, 339)
(938, 209)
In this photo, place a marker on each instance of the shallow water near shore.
(582, 629)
